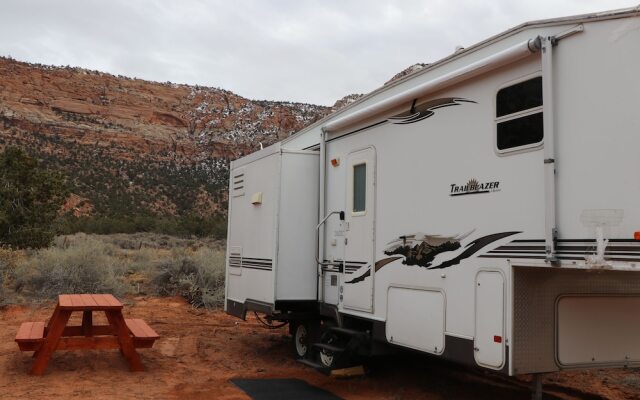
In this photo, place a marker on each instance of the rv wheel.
(328, 358)
(301, 340)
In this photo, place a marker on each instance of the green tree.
(30, 199)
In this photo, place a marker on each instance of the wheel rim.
(301, 340)
(326, 359)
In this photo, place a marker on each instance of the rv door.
(359, 233)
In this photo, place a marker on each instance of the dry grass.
(118, 264)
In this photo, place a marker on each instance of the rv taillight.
(636, 235)
(497, 339)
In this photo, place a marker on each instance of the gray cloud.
(307, 51)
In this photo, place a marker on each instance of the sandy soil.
(201, 350)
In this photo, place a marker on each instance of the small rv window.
(520, 131)
(519, 97)
(359, 187)
(519, 115)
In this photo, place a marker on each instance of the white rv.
(485, 209)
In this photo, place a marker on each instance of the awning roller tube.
(504, 57)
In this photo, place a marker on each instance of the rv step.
(328, 347)
(314, 365)
(347, 331)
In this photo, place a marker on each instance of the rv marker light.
(636, 235)
(335, 162)
(497, 339)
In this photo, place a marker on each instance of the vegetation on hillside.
(30, 197)
(119, 187)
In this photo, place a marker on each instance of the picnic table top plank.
(64, 300)
(114, 302)
(88, 300)
(77, 302)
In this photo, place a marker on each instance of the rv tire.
(303, 334)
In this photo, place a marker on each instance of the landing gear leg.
(536, 387)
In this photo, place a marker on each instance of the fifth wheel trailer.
(485, 209)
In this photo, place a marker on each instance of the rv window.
(520, 131)
(519, 115)
(519, 97)
(359, 187)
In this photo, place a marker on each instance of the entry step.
(329, 347)
(347, 331)
(317, 366)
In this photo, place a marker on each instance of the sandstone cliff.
(130, 145)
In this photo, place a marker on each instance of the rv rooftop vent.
(238, 183)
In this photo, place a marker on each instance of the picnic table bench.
(120, 333)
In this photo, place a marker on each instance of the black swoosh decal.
(361, 277)
(426, 110)
(379, 264)
(473, 248)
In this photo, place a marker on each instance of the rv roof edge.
(504, 57)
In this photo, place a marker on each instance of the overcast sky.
(297, 50)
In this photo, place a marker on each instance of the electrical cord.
(269, 325)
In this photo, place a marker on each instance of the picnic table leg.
(56, 311)
(116, 320)
(87, 323)
(56, 327)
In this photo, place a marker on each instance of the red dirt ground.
(201, 350)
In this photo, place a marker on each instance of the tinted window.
(520, 131)
(359, 187)
(519, 97)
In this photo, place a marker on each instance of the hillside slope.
(134, 146)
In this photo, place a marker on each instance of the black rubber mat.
(282, 389)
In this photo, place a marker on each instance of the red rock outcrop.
(115, 132)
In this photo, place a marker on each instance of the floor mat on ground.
(282, 389)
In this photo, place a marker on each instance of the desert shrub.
(197, 276)
(87, 265)
(8, 259)
(2, 272)
(182, 226)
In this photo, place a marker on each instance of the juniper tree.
(30, 199)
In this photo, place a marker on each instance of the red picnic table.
(120, 333)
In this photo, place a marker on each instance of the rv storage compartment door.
(415, 319)
(489, 337)
(598, 330)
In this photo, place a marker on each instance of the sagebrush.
(121, 264)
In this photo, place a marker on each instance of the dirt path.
(201, 350)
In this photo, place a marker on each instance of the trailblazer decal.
(425, 110)
(474, 187)
(421, 250)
